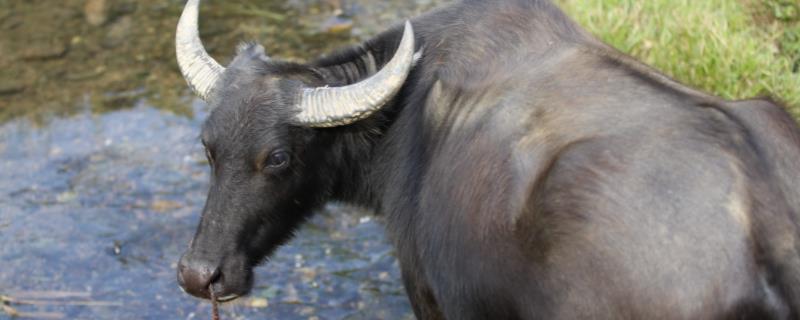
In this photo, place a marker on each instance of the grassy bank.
(735, 49)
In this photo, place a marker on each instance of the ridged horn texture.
(326, 107)
(199, 69)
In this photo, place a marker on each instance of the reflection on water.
(102, 176)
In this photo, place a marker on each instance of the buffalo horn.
(198, 68)
(336, 106)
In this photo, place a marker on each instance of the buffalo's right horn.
(198, 67)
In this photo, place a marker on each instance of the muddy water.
(102, 176)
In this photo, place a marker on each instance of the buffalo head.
(262, 140)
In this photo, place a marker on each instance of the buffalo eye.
(277, 160)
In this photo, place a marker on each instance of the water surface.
(102, 176)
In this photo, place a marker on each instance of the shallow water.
(102, 176)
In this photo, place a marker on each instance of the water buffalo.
(524, 169)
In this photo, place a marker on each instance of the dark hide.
(525, 170)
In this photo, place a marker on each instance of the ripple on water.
(100, 204)
(103, 205)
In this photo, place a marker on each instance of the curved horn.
(330, 107)
(198, 68)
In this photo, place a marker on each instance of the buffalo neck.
(355, 152)
(378, 159)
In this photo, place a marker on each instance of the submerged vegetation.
(103, 55)
(735, 49)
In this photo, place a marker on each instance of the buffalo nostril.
(215, 275)
(195, 277)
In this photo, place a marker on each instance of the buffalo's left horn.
(337, 106)
(198, 67)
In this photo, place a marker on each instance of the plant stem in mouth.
(214, 304)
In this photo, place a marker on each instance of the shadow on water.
(102, 176)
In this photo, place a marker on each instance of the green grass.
(733, 48)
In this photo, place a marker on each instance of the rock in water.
(337, 25)
(118, 32)
(8, 87)
(96, 12)
(45, 50)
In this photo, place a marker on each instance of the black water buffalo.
(525, 170)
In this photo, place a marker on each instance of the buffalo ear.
(252, 50)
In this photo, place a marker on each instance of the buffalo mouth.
(222, 294)
(214, 288)
(229, 281)
(228, 298)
